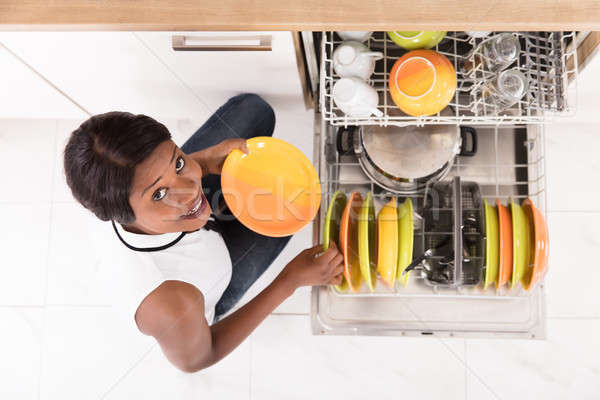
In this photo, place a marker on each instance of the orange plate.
(349, 241)
(538, 264)
(506, 247)
(274, 189)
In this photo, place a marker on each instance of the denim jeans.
(243, 116)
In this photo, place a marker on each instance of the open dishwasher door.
(509, 164)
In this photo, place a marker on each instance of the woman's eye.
(159, 194)
(179, 164)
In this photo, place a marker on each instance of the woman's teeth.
(193, 210)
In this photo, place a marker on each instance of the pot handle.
(466, 131)
(344, 141)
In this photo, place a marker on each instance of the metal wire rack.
(510, 164)
(547, 59)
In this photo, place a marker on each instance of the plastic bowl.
(412, 40)
(422, 82)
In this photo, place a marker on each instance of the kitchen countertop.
(299, 15)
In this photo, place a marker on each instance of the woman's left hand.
(211, 159)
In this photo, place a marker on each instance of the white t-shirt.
(200, 258)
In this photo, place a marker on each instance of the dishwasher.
(509, 163)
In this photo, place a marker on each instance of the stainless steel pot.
(405, 160)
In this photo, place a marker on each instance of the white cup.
(359, 36)
(355, 59)
(356, 98)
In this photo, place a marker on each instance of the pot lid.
(410, 152)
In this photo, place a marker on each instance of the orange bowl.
(538, 264)
(422, 82)
(349, 241)
(274, 189)
(506, 245)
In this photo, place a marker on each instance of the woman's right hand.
(313, 267)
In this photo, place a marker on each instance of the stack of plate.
(373, 247)
(516, 245)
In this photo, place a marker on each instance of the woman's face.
(166, 195)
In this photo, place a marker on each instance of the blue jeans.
(243, 116)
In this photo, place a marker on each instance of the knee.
(263, 113)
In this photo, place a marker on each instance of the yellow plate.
(387, 242)
(491, 245)
(274, 189)
(366, 242)
(331, 226)
(521, 242)
(405, 239)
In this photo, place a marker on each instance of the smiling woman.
(147, 162)
(100, 161)
(178, 268)
(167, 193)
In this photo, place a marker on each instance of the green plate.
(367, 253)
(521, 242)
(492, 256)
(411, 40)
(405, 239)
(331, 226)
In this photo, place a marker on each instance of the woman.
(178, 269)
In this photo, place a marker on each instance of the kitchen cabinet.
(317, 15)
(213, 69)
(216, 73)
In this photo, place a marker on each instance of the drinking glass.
(494, 54)
(505, 90)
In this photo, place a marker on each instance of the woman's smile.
(197, 209)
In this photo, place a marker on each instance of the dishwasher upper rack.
(501, 172)
(548, 60)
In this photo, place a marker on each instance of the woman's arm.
(174, 312)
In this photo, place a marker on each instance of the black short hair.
(100, 159)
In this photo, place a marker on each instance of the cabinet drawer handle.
(222, 43)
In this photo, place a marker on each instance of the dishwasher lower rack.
(509, 163)
(548, 60)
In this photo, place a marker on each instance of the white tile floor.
(59, 340)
